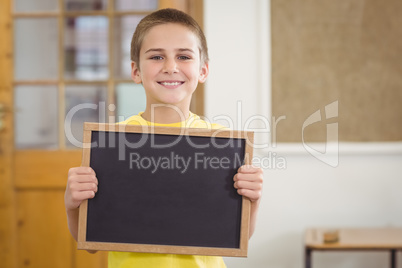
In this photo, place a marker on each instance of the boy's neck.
(165, 115)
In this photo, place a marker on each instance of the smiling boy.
(169, 69)
(169, 58)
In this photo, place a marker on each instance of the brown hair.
(165, 16)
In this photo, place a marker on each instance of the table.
(354, 239)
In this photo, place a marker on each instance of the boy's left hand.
(248, 182)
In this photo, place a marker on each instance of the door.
(61, 63)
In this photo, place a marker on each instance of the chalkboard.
(165, 190)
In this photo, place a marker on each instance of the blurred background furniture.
(354, 239)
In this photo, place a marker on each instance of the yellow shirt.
(154, 260)
(193, 121)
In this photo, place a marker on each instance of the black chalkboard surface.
(165, 190)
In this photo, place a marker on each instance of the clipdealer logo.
(267, 128)
(331, 154)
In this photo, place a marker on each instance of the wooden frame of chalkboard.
(178, 209)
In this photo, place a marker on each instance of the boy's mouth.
(171, 84)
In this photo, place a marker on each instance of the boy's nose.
(170, 66)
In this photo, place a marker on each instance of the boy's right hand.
(82, 184)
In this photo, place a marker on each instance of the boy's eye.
(156, 58)
(184, 58)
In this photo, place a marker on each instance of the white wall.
(237, 33)
(364, 190)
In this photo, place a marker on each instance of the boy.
(169, 57)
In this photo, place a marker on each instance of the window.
(70, 53)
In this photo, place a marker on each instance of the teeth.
(170, 84)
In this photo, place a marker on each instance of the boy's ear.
(135, 73)
(204, 71)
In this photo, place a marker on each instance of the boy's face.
(170, 66)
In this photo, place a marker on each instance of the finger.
(84, 179)
(248, 177)
(82, 187)
(85, 170)
(81, 196)
(247, 185)
(248, 169)
(250, 194)
(81, 171)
